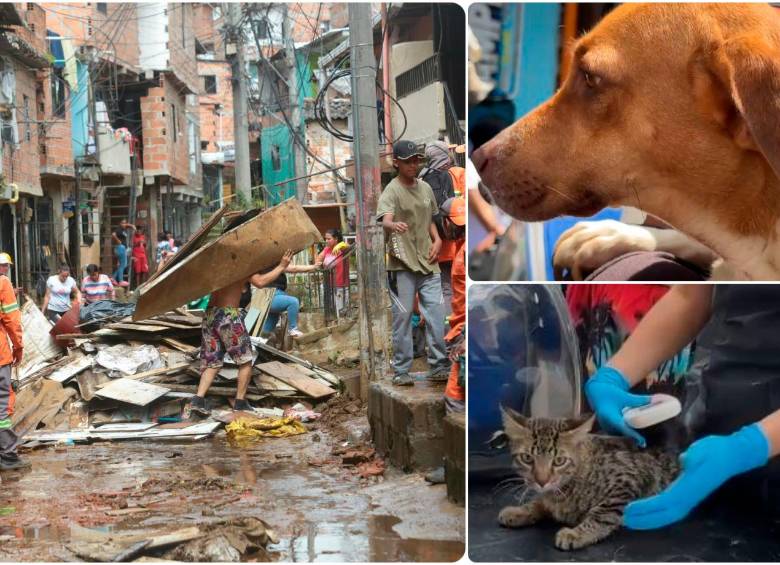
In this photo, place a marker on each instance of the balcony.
(115, 150)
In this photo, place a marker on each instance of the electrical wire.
(321, 113)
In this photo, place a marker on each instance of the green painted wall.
(280, 136)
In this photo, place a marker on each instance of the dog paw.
(568, 538)
(515, 517)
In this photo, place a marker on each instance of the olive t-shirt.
(415, 206)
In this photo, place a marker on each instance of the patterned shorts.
(223, 331)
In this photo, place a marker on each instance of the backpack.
(443, 188)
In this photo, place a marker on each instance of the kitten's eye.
(559, 461)
(526, 458)
(593, 81)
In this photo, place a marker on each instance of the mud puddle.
(318, 511)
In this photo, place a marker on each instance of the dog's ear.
(748, 69)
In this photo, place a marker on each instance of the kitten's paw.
(515, 517)
(568, 538)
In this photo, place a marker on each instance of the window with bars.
(58, 92)
(418, 77)
(210, 84)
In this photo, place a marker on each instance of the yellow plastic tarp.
(245, 430)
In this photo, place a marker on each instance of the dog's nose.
(480, 159)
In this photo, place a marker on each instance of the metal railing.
(318, 291)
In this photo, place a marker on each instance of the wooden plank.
(132, 392)
(137, 327)
(123, 427)
(180, 345)
(258, 310)
(289, 375)
(269, 383)
(214, 391)
(174, 325)
(73, 368)
(152, 373)
(234, 256)
(187, 320)
(190, 245)
(319, 374)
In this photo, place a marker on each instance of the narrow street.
(320, 510)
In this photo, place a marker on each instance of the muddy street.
(319, 510)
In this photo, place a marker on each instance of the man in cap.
(10, 355)
(406, 210)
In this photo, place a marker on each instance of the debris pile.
(122, 380)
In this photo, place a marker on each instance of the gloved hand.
(706, 464)
(607, 392)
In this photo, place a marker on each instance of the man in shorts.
(223, 331)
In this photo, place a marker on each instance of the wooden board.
(152, 373)
(73, 368)
(258, 310)
(132, 392)
(190, 245)
(234, 256)
(137, 327)
(268, 383)
(123, 427)
(292, 377)
(180, 345)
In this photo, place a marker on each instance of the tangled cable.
(321, 113)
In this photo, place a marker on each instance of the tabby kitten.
(582, 480)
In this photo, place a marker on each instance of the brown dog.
(671, 108)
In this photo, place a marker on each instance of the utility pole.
(240, 103)
(372, 278)
(299, 157)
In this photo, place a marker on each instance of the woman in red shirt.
(333, 262)
(140, 261)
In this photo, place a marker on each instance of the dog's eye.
(559, 461)
(526, 459)
(591, 80)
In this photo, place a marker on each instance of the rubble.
(125, 380)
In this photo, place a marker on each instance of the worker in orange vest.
(10, 355)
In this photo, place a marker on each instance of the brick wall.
(164, 123)
(70, 20)
(120, 23)
(21, 163)
(208, 30)
(35, 34)
(209, 120)
(339, 15)
(56, 152)
(181, 44)
(321, 187)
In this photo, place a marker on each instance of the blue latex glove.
(706, 464)
(607, 392)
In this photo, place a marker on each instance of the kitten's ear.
(514, 422)
(580, 427)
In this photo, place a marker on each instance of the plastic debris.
(127, 360)
(302, 413)
(245, 430)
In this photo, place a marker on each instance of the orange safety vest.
(458, 317)
(10, 322)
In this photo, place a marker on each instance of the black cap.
(404, 149)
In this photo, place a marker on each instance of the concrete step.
(407, 423)
(455, 457)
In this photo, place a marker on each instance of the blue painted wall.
(79, 112)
